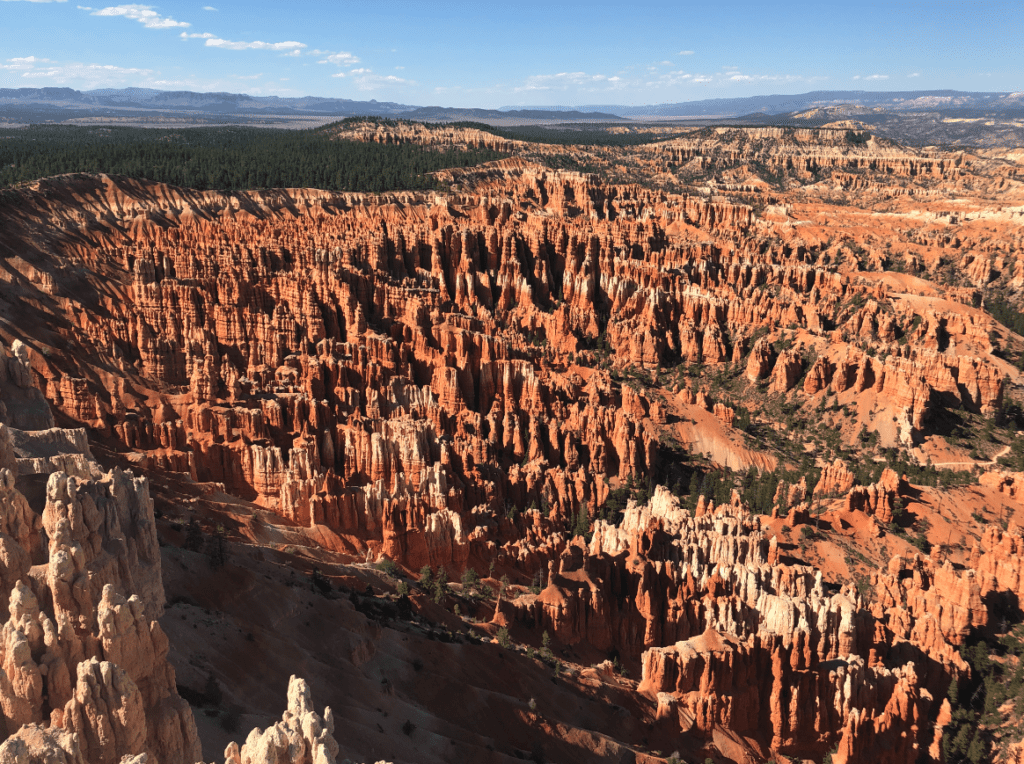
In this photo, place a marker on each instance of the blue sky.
(489, 54)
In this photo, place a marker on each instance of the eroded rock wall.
(84, 675)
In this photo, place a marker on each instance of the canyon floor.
(700, 444)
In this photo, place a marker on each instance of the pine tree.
(426, 578)
(441, 585)
(582, 524)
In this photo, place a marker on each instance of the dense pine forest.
(226, 158)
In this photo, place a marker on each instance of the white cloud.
(209, 8)
(871, 77)
(644, 79)
(737, 77)
(915, 74)
(70, 71)
(339, 74)
(580, 81)
(366, 80)
(686, 53)
(190, 84)
(86, 76)
(194, 35)
(82, 75)
(342, 59)
(217, 42)
(144, 14)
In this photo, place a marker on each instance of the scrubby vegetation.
(989, 699)
(1005, 313)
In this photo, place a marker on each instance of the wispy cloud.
(217, 42)
(24, 62)
(341, 58)
(209, 8)
(365, 79)
(567, 80)
(197, 35)
(669, 79)
(144, 14)
(86, 75)
(737, 77)
(35, 71)
(649, 79)
(686, 53)
(914, 74)
(871, 77)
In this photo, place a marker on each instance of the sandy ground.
(705, 433)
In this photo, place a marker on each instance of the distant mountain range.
(65, 103)
(240, 104)
(910, 100)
